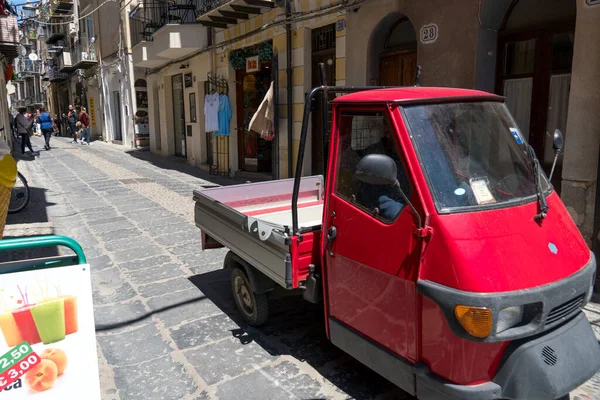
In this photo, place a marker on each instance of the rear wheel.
(253, 307)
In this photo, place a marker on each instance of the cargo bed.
(254, 221)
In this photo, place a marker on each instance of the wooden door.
(398, 69)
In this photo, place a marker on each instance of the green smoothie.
(49, 318)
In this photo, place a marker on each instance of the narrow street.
(166, 323)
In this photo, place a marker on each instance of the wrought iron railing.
(55, 75)
(83, 51)
(25, 66)
(138, 26)
(150, 16)
(205, 6)
(55, 32)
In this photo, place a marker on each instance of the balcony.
(55, 33)
(225, 13)
(9, 36)
(35, 100)
(84, 55)
(144, 55)
(62, 7)
(25, 68)
(171, 25)
(56, 76)
(65, 63)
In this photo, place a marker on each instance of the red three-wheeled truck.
(443, 257)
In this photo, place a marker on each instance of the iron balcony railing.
(55, 33)
(55, 75)
(84, 54)
(25, 66)
(205, 6)
(149, 16)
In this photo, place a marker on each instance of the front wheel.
(253, 307)
(19, 196)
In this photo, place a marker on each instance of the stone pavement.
(166, 324)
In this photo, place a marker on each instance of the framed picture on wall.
(192, 107)
(187, 78)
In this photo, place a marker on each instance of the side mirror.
(377, 169)
(558, 140)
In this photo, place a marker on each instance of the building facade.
(9, 47)
(539, 54)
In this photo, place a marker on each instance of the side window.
(360, 134)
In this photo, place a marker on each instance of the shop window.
(520, 57)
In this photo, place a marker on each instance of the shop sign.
(340, 25)
(187, 78)
(48, 341)
(429, 33)
(252, 64)
(92, 112)
(592, 2)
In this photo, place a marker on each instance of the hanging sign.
(252, 64)
(48, 341)
(429, 33)
(92, 112)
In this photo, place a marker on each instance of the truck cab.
(443, 257)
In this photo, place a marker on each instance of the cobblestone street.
(166, 323)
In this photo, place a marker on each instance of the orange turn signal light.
(477, 321)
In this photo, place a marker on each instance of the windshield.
(473, 155)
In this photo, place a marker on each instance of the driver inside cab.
(385, 201)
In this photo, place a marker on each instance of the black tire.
(19, 196)
(253, 307)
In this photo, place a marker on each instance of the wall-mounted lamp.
(184, 66)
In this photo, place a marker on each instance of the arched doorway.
(393, 52)
(535, 53)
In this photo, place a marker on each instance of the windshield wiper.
(540, 193)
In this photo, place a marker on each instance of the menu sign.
(252, 64)
(48, 337)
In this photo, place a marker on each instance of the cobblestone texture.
(162, 335)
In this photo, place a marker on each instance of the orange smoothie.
(10, 331)
(71, 321)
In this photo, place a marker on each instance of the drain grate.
(133, 181)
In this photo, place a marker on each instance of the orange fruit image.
(58, 356)
(42, 376)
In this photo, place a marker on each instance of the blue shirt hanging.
(224, 115)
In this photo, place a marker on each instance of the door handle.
(331, 235)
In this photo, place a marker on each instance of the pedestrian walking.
(45, 121)
(72, 119)
(24, 125)
(85, 125)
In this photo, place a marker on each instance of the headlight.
(509, 317)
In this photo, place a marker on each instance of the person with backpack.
(23, 125)
(46, 124)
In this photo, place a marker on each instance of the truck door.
(371, 256)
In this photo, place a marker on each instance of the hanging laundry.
(211, 112)
(224, 115)
(262, 121)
